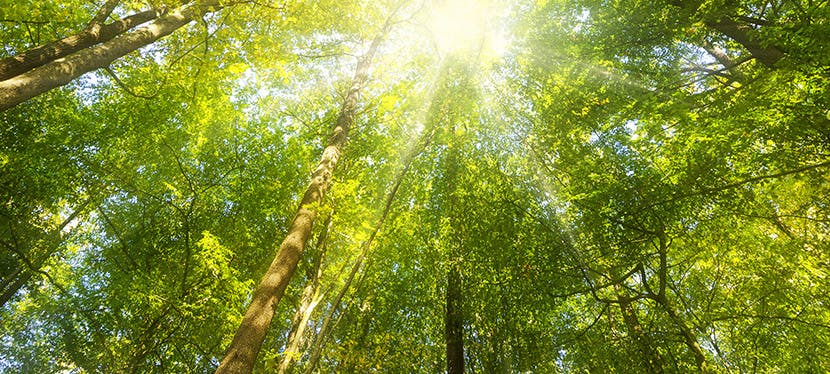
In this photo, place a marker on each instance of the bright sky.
(469, 25)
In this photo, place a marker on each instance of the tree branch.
(728, 186)
(102, 14)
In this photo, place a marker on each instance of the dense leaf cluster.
(633, 186)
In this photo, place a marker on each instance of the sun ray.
(468, 25)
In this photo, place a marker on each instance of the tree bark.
(454, 323)
(241, 355)
(59, 72)
(102, 14)
(320, 341)
(651, 358)
(95, 34)
(742, 34)
(688, 335)
(12, 289)
(311, 297)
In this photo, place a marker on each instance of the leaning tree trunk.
(62, 71)
(88, 37)
(325, 328)
(740, 33)
(688, 335)
(241, 355)
(320, 340)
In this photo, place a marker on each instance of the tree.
(95, 32)
(453, 117)
(32, 75)
(524, 186)
(311, 297)
(243, 350)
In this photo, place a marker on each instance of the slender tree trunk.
(322, 335)
(295, 338)
(453, 238)
(651, 358)
(325, 328)
(454, 312)
(95, 34)
(503, 335)
(241, 355)
(62, 71)
(688, 335)
(454, 323)
(311, 297)
(662, 300)
(351, 363)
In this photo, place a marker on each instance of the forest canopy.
(404, 186)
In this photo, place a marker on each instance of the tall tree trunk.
(62, 71)
(241, 355)
(454, 312)
(453, 238)
(320, 340)
(454, 322)
(311, 297)
(92, 35)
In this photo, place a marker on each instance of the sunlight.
(457, 24)
(470, 25)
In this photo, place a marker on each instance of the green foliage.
(630, 181)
